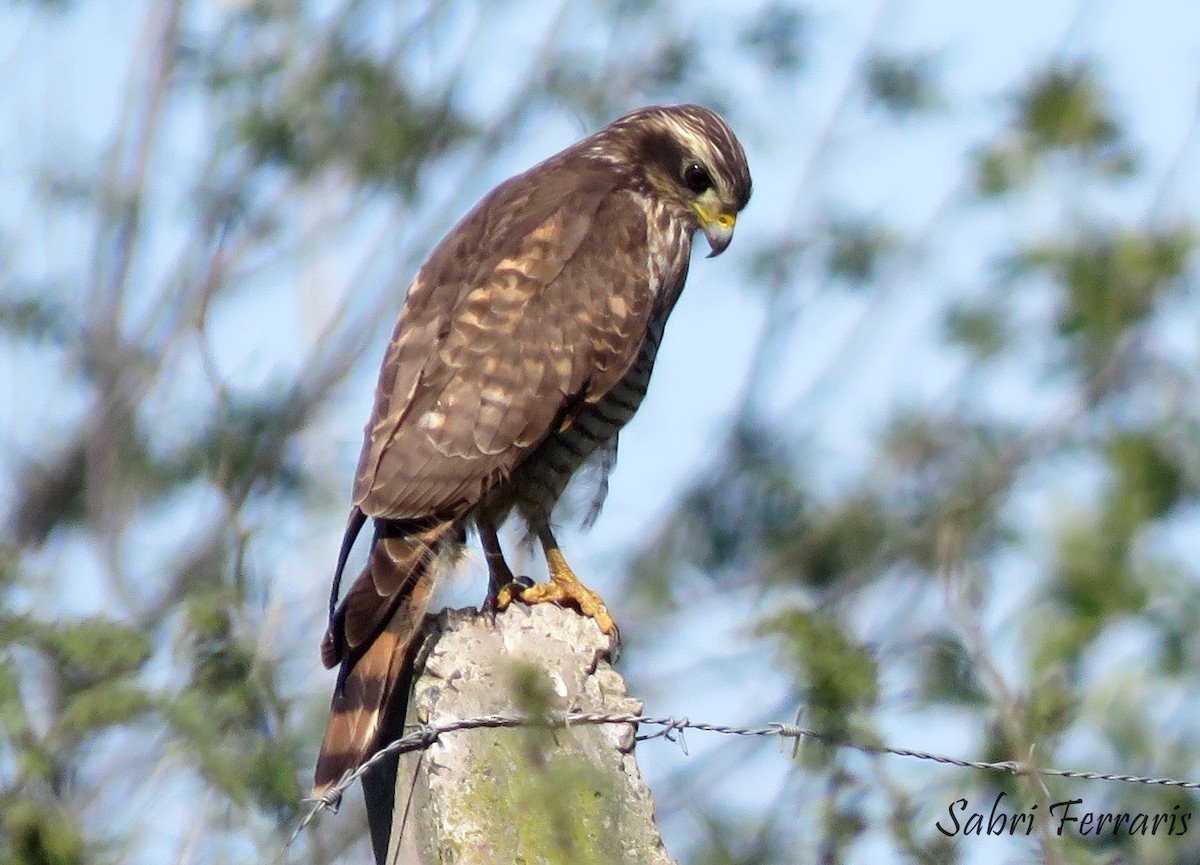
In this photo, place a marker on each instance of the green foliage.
(350, 111)
(40, 836)
(86, 653)
(838, 677)
(1090, 560)
(1049, 711)
(1149, 481)
(903, 85)
(231, 694)
(980, 329)
(779, 37)
(222, 664)
(1001, 168)
(239, 448)
(1098, 577)
(1064, 108)
(846, 539)
(951, 479)
(107, 705)
(1061, 111)
(948, 673)
(1112, 282)
(857, 250)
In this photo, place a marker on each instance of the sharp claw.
(507, 593)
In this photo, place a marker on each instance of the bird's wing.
(536, 304)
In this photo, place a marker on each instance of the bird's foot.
(565, 589)
(500, 595)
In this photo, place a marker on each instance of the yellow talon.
(508, 593)
(564, 588)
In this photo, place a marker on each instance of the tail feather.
(370, 636)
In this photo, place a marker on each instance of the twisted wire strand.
(422, 736)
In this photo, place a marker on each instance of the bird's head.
(688, 158)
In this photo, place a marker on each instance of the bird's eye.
(696, 178)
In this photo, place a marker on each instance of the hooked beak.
(718, 229)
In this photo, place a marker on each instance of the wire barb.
(672, 731)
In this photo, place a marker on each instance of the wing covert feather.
(487, 360)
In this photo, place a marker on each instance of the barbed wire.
(672, 729)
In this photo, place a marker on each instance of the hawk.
(525, 344)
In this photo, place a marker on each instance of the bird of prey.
(525, 344)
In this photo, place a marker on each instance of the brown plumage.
(526, 342)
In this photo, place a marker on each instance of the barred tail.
(370, 635)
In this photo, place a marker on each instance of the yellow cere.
(724, 220)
